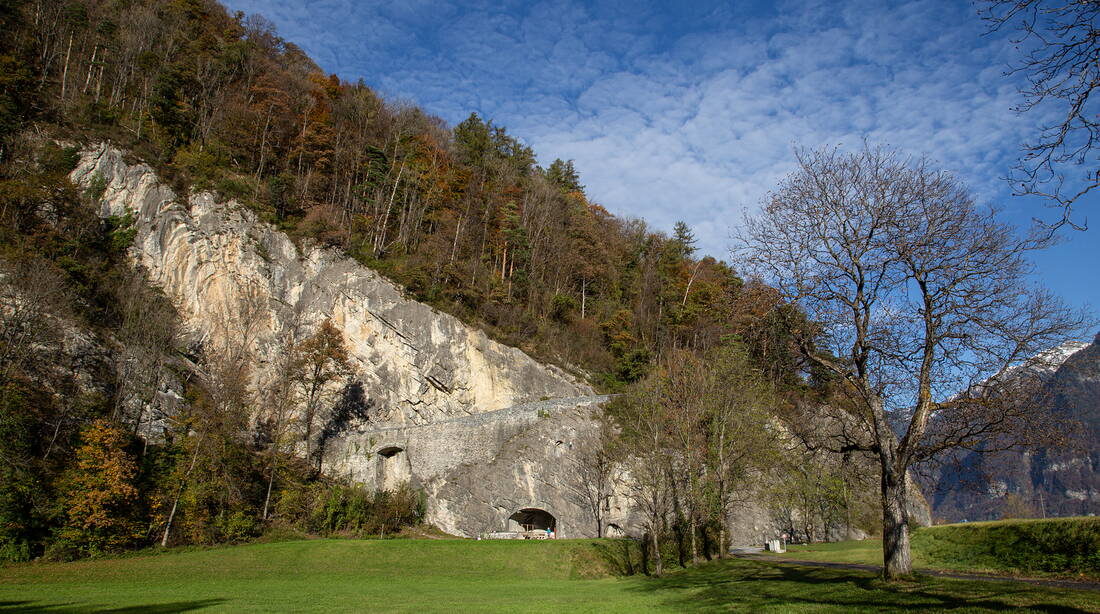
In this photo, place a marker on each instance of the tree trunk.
(694, 541)
(722, 550)
(584, 296)
(896, 559)
(658, 562)
(270, 485)
(65, 72)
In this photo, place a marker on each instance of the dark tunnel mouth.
(533, 518)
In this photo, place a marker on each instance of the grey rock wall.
(479, 470)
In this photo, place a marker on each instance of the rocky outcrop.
(221, 265)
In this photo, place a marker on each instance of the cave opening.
(533, 520)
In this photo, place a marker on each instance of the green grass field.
(473, 576)
(1061, 547)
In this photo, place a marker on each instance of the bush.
(348, 509)
(238, 527)
(562, 308)
(14, 552)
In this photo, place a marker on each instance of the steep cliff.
(219, 264)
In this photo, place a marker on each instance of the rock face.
(479, 471)
(220, 264)
(457, 414)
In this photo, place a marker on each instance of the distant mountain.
(1045, 482)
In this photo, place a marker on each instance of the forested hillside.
(463, 217)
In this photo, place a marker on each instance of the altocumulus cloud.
(686, 113)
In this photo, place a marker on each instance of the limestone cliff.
(216, 260)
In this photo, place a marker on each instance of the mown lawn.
(472, 576)
(1061, 547)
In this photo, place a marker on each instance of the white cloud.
(690, 113)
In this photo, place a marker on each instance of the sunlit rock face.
(483, 429)
(230, 274)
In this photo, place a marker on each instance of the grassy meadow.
(1058, 547)
(480, 576)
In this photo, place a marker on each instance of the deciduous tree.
(918, 299)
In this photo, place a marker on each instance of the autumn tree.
(737, 405)
(917, 299)
(100, 493)
(213, 467)
(323, 369)
(693, 433)
(643, 441)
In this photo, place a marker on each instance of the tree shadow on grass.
(752, 586)
(31, 607)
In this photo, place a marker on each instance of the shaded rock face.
(1044, 482)
(217, 261)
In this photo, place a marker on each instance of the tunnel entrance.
(393, 468)
(533, 522)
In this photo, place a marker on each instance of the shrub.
(337, 508)
(1059, 545)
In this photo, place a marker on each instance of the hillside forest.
(463, 217)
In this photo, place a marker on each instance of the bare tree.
(914, 297)
(148, 332)
(591, 473)
(1062, 42)
(738, 443)
(278, 398)
(31, 291)
(643, 441)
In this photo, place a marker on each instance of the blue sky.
(692, 110)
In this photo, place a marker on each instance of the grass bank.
(1062, 547)
(473, 576)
